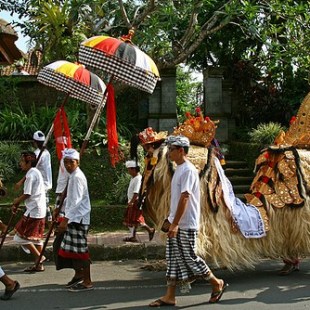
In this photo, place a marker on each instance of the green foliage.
(9, 158)
(101, 176)
(119, 191)
(245, 151)
(188, 93)
(265, 134)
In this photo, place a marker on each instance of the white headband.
(39, 136)
(131, 164)
(178, 141)
(71, 154)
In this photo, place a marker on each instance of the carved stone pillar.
(218, 102)
(162, 103)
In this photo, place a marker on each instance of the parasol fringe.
(111, 126)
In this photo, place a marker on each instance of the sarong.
(73, 250)
(133, 216)
(183, 265)
(29, 228)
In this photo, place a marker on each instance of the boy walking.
(73, 252)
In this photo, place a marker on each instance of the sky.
(21, 43)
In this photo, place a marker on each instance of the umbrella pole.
(93, 122)
(63, 196)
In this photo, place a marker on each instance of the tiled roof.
(32, 63)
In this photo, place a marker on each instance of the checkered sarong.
(74, 243)
(182, 262)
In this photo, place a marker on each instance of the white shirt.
(77, 208)
(134, 186)
(22, 72)
(186, 179)
(45, 167)
(34, 186)
(62, 179)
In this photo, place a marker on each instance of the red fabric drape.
(61, 132)
(111, 126)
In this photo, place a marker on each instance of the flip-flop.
(151, 234)
(130, 239)
(34, 268)
(79, 287)
(287, 269)
(216, 296)
(9, 293)
(74, 281)
(160, 303)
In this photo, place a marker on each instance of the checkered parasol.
(120, 58)
(74, 80)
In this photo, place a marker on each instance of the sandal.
(74, 281)
(80, 288)
(9, 293)
(216, 296)
(287, 269)
(151, 234)
(33, 268)
(161, 303)
(130, 239)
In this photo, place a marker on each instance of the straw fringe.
(223, 246)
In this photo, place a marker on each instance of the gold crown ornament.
(148, 135)
(198, 129)
(298, 134)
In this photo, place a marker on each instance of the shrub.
(9, 158)
(265, 134)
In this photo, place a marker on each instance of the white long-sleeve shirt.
(45, 167)
(77, 208)
(62, 179)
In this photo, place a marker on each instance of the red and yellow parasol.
(122, 59)
(74, 80)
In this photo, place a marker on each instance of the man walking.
(183, 265)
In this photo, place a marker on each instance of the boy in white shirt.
(45, 167)
(30, 228)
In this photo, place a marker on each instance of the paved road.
(125, 285)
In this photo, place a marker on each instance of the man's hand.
(62, 227)
(173, 231)
(14, 208)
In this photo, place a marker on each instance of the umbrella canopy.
(73, 79)
(123, 60)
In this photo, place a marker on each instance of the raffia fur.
(219, 243)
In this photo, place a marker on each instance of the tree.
(268, 39)
(174, 32)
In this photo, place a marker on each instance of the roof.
(8, 50)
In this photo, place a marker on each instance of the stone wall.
(29, 91)
(161, 112)
(218, 102)
(157, 110)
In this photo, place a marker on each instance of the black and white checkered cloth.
(182, 262)
(70, 86)
(120, 69)
(75, 239)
